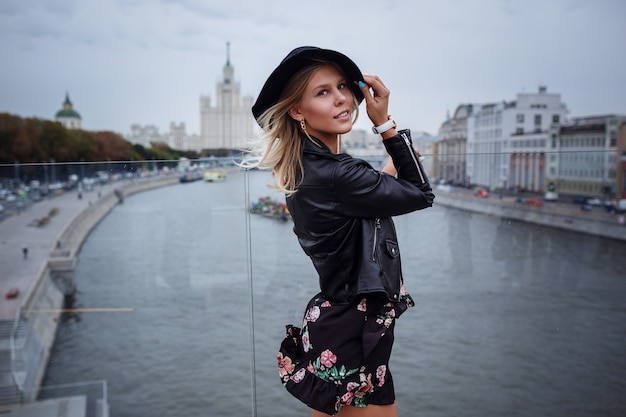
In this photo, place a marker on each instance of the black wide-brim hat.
(297, 59)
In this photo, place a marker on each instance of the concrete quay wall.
(63, 258)
(42, 306)
(40, 314)
(546, 216)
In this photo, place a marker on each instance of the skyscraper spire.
(228, 53)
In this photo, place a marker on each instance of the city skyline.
(150, 62)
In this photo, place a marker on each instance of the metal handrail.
(80, 387)
(14, 371)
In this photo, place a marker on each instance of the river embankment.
(44, 278)
(551, 214)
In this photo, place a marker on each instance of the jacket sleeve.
(365, 192)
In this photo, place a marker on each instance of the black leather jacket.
(342, 216)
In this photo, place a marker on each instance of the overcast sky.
(148, 62)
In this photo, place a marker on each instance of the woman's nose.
(342, 95)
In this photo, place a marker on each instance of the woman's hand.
(376, 101)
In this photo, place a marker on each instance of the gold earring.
(303, 125)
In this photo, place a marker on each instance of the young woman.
(338, 361)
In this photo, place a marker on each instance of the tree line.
(33, 140)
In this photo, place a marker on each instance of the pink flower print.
(386, 319)
(328, 358)
(403, 291)
(298, 376)
(365, 387)
(285, 366)
(352, 386)
(381, 371)
(346, 398)
(362, 306)
(306, 342)
(326, 304)
(313, 314)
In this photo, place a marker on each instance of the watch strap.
(389, 124)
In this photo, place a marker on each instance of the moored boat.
(267, 207)
(189, 176)
(214, 176)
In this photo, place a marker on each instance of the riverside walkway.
(53, 231)
(38, 228)
(554, 214)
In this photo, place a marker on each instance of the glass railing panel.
(519, 292)
(183, 291)
(161, 308)
(283, 280)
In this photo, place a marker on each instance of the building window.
(520, 118)
(519, 131)
(537, 120)
(555, 118)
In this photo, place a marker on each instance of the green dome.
(68, 113)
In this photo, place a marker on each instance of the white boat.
(214, 176)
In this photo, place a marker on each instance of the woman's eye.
(322, 92)
(341, 86)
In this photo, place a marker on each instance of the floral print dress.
(340, 356)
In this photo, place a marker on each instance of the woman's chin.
(346, 128)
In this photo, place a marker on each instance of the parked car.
(534, 202)
(594, 201)
(550, 196)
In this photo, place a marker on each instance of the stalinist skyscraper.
(228, 125)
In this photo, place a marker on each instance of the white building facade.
(145, 135)
(452, 149)
(583, 156)
(507, 141)
(229, 124)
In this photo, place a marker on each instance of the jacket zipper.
(376, 227)
(412, 152)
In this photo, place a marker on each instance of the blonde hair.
(280, 146)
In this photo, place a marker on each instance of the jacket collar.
(314, 145)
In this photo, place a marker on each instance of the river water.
(510, 318)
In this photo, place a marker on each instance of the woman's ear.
(295, 114)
